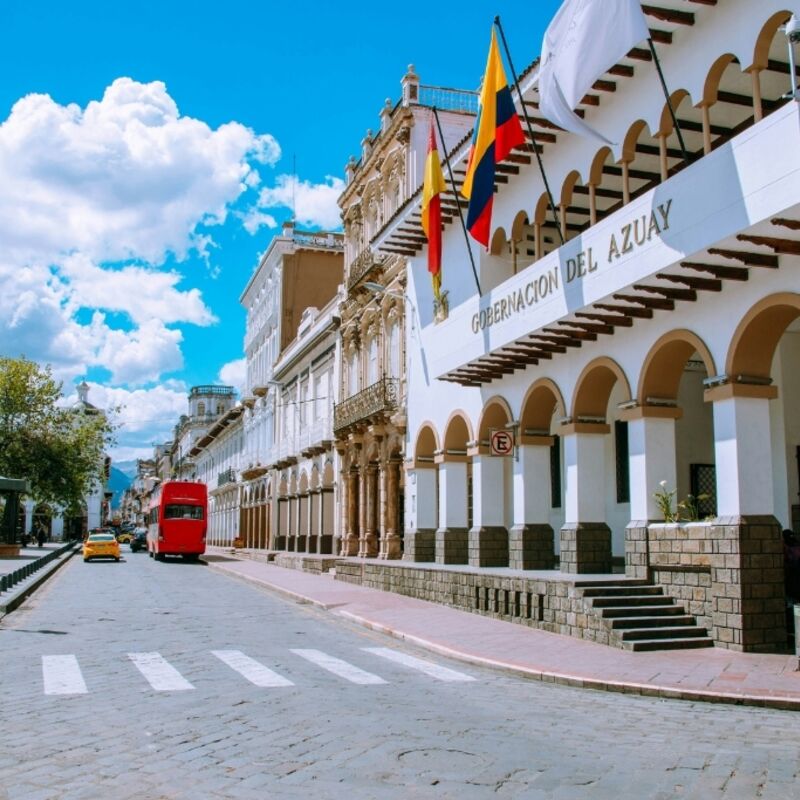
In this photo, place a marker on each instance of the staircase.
(639, 616)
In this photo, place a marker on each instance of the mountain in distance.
(118, 482)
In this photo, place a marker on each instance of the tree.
(59, 450)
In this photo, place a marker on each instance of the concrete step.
(652, 621)
(667, 644)
(677, 632)
(632, 600)
(621, 591)
(642, 611)
(580, 584)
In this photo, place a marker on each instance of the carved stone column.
(368, 544)
(352, 480)
(390, 542)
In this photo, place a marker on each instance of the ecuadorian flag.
(497, 132)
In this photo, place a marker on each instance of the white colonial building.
(658, 343)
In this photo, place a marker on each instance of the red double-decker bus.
(178, 520)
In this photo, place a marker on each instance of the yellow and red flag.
(432, 187)
(497, 132)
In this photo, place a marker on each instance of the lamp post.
(792, 31)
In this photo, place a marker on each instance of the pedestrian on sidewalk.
(24, 539)
(41, 538)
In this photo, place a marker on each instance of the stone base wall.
(550, 605)
(420, 545)
(452, 546)
(748, 611)
(488, 547)
(305, 563)
(586, 548)
(531, 547)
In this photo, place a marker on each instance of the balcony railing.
(383, 396)
(448, 99)
(226, 476)
(362, 265)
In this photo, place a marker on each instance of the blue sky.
(139, 191)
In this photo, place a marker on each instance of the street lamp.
(792, 31)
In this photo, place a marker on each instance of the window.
(372, 363)
(201, 409)
(394, 350)
(555, 473)
(622, 462)
(352, 373)
(176, 511)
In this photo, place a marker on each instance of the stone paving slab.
(707, 674)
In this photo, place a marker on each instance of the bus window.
(174, 511)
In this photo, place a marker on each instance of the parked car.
(138, 540)
(124, 537)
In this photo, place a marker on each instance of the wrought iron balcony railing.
(226, 476)
(382, 396)
(361, 266)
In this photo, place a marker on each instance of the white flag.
(584, 40)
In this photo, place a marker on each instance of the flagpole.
(669, 101)
(458, 204)
(530, 129)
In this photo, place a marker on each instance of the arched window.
(394, 350)
(372, 361)
(201, 409)
(352, 373)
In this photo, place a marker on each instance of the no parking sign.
(501, 443)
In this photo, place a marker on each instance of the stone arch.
(714, 76)
(665, 125)
(765, 37)
(518, 226)
(314, 480)
(568, 186)
(540, 209)
(631, 138)
(664, 364)
(541, 401)
(598, 162)
(593, 389)
(498, 241)
(756, 337)
(327, 474)
(496, 414)
(457, 432)
(427, 442)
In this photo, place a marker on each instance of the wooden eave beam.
(594, 327)
(640, 54)
(534, 352)
(671, 294)
(399, 252)
(662, 37)
(785, 222)
(611, 194)
(659, 303)
(517, 158)
(540, 136)
(582, 335)
(697, 127)
(556, 341)
(750, 259)
(604, 86)
(718, 271)
(620, 316)
(621, 70)
(654, 150)
(789, 247)
(703, 284)
(639, 174)
(669, 15)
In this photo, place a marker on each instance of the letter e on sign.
(502, 443)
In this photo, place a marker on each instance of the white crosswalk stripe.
(160, 674)
(254, 671)
(338, 667)
(429, 668)
(62, 675)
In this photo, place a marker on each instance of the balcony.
(363, 264)
(226, 476)
(380, 398)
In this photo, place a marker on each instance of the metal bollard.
(2, 583)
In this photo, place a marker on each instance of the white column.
(743, 455)
(453, 494)
(532, 485)
(652, 459)
(584, 457)
(426, 498)
(488, 495)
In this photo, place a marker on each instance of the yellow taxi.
(100, 545)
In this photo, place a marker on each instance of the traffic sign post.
(501, 442)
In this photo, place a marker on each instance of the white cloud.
(234, 373)
(86, 191)
(126, 177)
(315, 202)
(254, 219)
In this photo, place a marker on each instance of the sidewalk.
(710, 674)
(26, 555)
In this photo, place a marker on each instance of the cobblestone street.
(167, 680)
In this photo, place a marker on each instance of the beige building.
(369, 418)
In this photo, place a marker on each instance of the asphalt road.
(169, 680)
